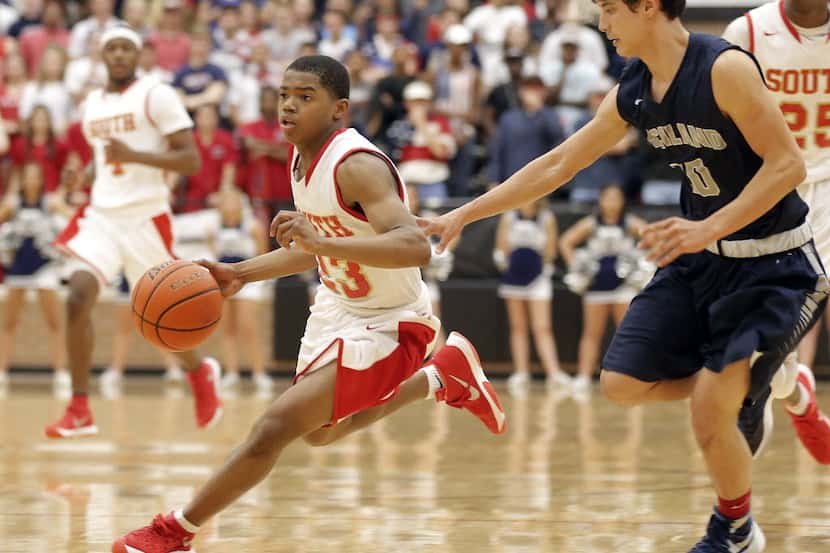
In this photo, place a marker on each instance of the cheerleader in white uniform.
(608, 235)
(238, 237)
(525, 252)
(30, 264)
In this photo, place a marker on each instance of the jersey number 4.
(797, 118)
(699, 176)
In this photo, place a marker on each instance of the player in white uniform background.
(371, 326)
(791, 41)
(138, 128)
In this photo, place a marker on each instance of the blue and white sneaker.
(731, 536)
(755, 422)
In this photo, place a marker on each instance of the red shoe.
(813, 427)
(205, 382)
(76, 423)
(164, 535)
(465, 384)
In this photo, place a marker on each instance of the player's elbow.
(798, 169)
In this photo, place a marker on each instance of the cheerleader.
(609, 237)
(30, 264)
(238, 237)
(525, 252)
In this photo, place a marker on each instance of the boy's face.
(307, 109)
(627, 29)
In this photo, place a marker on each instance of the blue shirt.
(520, 138)
(688, 131)
(196, 80)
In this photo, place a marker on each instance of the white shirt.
(81, 31)
(54, 96)
(83, 72)
(490, 24)
(142, 116)
(591, 47)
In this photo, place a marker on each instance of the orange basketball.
(177, 305)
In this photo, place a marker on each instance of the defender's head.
(314, 97)
(629, 23)
(120, 49)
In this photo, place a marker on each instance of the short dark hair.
(672, 8)
(333, 75)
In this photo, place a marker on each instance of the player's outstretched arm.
(541, 176)
(231, 277)
(365, 182)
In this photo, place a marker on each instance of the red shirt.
(172, 51)
(411, 152)
(33, 43)
(265, 178)
(9, 106)
(221, 151)
(51, 159)
(76, 143)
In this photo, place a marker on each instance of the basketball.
(176, 305)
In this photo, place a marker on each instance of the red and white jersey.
(358, 287)
(796, 65)
(142, 116)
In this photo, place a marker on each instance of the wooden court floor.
(567, 477)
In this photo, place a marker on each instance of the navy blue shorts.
(705, 310)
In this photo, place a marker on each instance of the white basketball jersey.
(797, 70)
(358, 287)
(141, 116)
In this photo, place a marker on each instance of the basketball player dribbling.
(127, 224)
(791, 41)
(739, 282)
(371, 325)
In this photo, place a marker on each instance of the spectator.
(8, 16)
(249, 20)
(362, 88)
(135, 15)
(264, 175)
(232, 42)
(38, 144)
(171, 43)
(102, 18)
(337, 43)
(35, 39)
(29, 259)
(200, 82)
(439, 23)
(240, 236)
(591, 48)
(79, 154)
(424, 144)
(505, 96)
(489, 24)
(525, 252)
(86, 73)
(524, 133)
(387, 36)
(619, 165)
(304, 18)
(11, 91)
(387, 103)
(219, 155)
(604, 235)
(29, 17)
(549, 16)
(571, 81)
(518, 37)
(457, 85)
(49, 90)
(285, 37)
(147, 64)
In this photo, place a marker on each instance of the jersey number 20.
(700, 178)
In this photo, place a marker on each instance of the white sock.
(433, 379)
(184, 523)
(803, 402)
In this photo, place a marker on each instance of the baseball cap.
(417, 90)
(458, 34)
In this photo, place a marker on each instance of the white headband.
(121, 32)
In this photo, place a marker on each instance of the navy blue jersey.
(692, 134)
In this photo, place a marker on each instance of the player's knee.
(269, 436)
(83, 290)
(710, 420)
(619, 388)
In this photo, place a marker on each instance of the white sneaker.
(62, 384)
(785, 378)
(174, 374)
(581, 383)
(110, 383)
(230, 382)
(558, 379)
(264, 384)
(518, 383)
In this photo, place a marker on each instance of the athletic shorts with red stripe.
(374, 352)
(108, 243)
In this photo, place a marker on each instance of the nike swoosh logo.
(767, 33)
(474, 393)
(638, 101)
(373, 327)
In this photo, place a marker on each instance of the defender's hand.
(670, 238)
(225, 275)
(447, 226)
